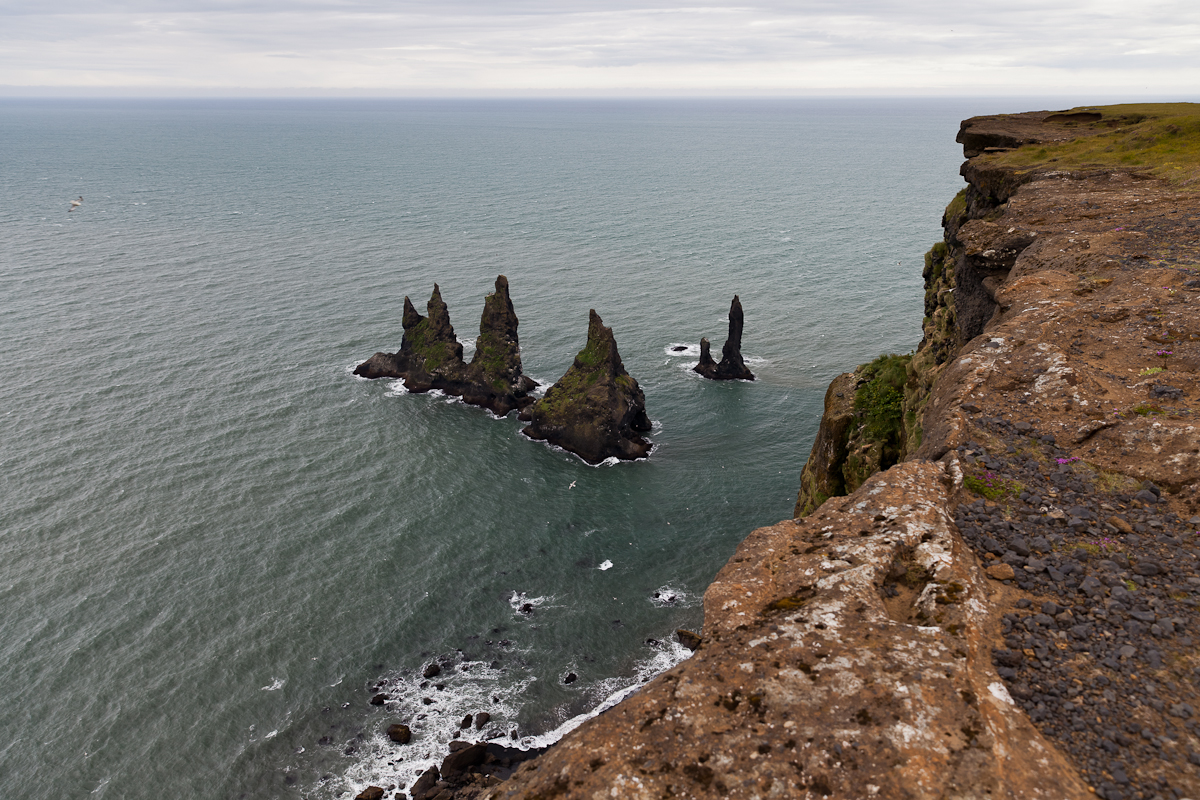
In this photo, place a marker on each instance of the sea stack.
(596, 410)
(430, 355)
(731, 368)
(494, 376)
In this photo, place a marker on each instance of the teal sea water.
(216, 543)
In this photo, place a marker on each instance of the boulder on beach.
(731, 367)
(596, 410)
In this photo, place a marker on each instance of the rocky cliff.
(1002, 600)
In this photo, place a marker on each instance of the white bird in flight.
(572, 486)
(75, 204)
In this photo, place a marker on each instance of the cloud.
(464, 45)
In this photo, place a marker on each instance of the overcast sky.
(423, 47)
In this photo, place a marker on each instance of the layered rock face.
(430, 355)
(1041, 262)
(596, 410)
(731, 367)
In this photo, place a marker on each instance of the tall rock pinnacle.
(732, 367)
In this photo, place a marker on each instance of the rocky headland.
(731, 366)
(596, 410)
(430, 355)
(990, 586)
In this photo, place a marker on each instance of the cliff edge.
(990, 587)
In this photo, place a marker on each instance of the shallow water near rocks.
(217, 544)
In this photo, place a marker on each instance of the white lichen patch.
(1000, 692)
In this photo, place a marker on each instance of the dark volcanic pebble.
(1101, 652)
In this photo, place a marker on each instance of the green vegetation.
(1151, 371)
(880, 400)
(1147, 410)
(955, 212)
(1160, 138)
(877, 439)
(992, 486)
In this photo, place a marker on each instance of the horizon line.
(1088, 96)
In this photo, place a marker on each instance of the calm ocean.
(216, 542)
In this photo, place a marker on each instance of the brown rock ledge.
(845, 654)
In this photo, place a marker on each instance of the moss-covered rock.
(494, 375)
(822, 476)
(596, 410)
(430, 355)
(430, 352)
(863, 430)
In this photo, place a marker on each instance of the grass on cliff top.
(1162, 139)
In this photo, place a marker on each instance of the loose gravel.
(1101, 649)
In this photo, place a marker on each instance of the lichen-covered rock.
(848, 655)
(430, 355)
(596, 410)
(731, 367)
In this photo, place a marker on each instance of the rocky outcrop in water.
(596, 410)
(430, 355)
(731, 367)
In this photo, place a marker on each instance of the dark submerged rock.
(430, 355)
(732, 367)
(596, 410)
(399, 733)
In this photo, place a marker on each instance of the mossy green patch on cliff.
(1160, 138)
(878, 440)
(591, 355)
(433, 354)
(956, 212)
(991, 486)
(880, 400)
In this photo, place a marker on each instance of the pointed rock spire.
(430, 355)
(596, 410)
(430, 352)
(732, 367)
(495, 369)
